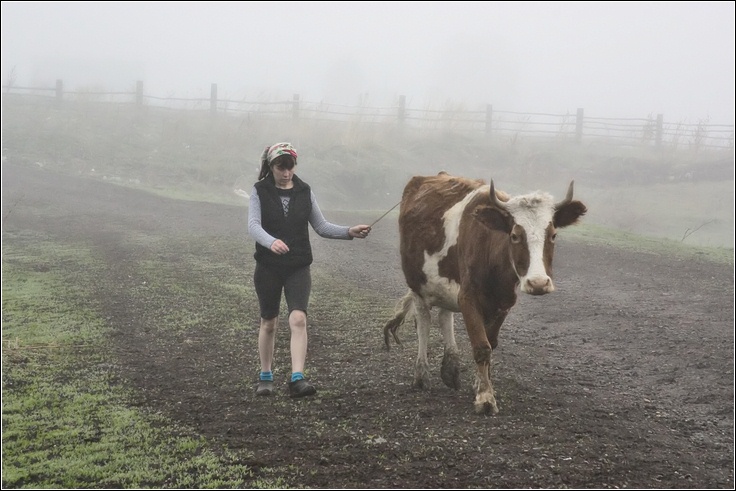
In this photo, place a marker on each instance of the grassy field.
(67, 424)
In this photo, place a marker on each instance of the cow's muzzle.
(540, 285)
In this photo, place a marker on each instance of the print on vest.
(285, 203)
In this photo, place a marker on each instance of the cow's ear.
(494, 218)
(569, 214)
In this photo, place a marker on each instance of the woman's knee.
(298, 319)
(269, 325)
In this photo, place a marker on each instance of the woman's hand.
(279, 247)
(359, 231)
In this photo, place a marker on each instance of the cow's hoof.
(421, 376)
(450, 371)
(486, 405)
(486, 408)
(421, 384)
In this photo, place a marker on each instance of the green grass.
(35, 310)
(594, 234)
(70, 427)
(694, 213)
(66, 422)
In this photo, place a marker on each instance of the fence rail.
(649, 131)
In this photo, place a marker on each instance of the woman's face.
(282, 175)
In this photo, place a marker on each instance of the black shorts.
(270, 282)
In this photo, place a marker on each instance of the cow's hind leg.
(423, 320)
(450, 371)
(403, 312)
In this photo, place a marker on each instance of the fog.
(614, 59)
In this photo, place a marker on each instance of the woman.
(281, 208)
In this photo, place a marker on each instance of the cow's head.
(531, 222)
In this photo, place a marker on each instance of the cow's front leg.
(450, 371)
(485, 400)
(493, 326)
(423, 320)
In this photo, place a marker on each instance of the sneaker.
(301, 388)
(265, 388)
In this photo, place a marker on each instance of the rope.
(379, 218)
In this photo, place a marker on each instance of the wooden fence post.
(658, 137)
(402, 109)
(489, 119)
(579, 125)
(139, 93)
(59, 90)
(295, 107)
(213, 99)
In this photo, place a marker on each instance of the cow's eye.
(553, 237)
(515, 238)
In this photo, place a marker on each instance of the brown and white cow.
(466, 247)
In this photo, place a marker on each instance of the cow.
(466, 247)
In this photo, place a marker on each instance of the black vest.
(293, 228)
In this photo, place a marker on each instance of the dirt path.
(624, 377)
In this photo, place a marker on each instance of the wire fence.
(575, 127)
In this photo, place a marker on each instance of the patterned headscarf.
(276, 150)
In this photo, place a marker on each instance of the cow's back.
(423, 205)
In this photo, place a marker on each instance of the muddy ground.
(624, 377)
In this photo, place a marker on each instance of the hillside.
(680, 194)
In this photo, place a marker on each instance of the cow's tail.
(404, 311)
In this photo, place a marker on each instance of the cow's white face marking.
(534, 212)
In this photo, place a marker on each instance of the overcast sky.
(614, 59)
